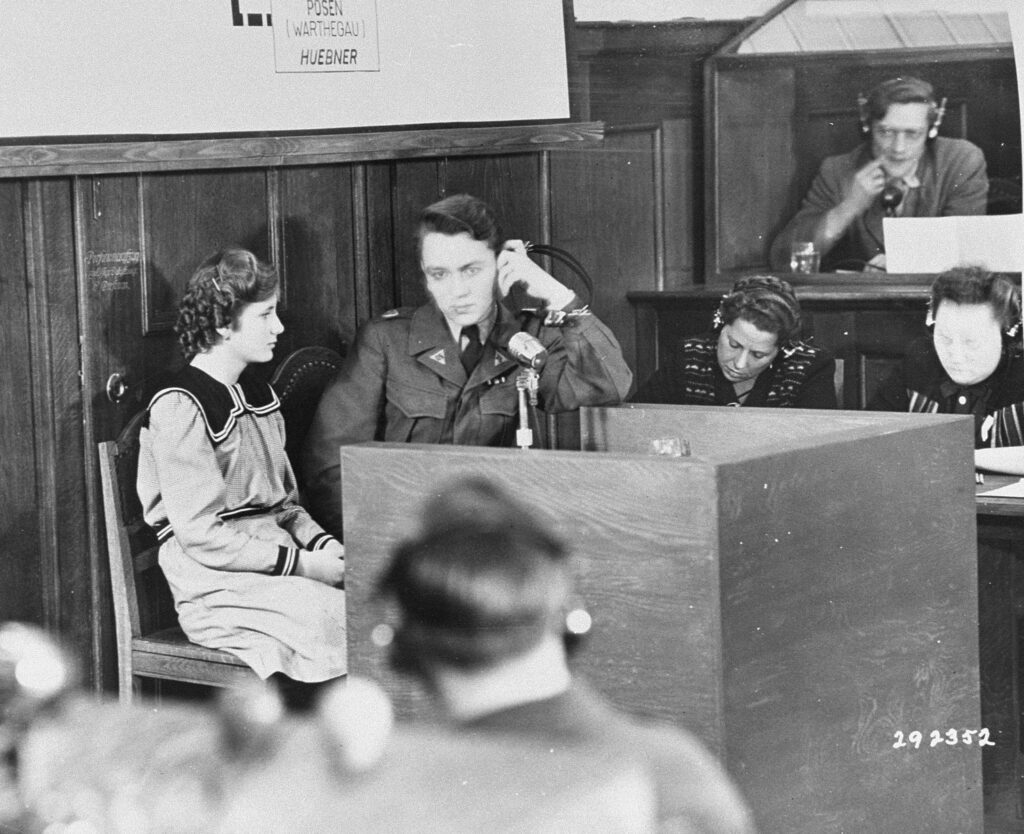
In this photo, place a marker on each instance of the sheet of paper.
(935, 244)
(1014, 490)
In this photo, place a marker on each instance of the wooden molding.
(152, 155)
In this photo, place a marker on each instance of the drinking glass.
(804, 258)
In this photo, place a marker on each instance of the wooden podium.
(801, 592)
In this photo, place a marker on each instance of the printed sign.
(112, 271)
(196, 67)
(326, 36)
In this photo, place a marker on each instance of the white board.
(187, 67)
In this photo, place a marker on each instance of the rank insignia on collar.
(437, 357)
(499, 357)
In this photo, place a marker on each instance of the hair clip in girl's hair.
(215, 284)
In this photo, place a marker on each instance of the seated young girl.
(250, 571)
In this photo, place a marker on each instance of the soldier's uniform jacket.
(404, 381)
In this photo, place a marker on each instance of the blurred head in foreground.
(483, 583)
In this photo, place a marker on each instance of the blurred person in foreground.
(484, 594)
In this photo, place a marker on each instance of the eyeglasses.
(888, 134)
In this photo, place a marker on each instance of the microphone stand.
(526, 385)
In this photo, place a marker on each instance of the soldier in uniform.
(442, 372)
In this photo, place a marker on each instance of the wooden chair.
(300, 381)
(141, 596)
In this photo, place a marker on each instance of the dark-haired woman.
(972, 362)
(250, 571)
(752, 357)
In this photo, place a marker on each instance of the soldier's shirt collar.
(430, 329)
(486, 326)
(431, 340)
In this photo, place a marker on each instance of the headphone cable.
(564, 257)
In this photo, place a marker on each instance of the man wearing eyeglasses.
(902, 168)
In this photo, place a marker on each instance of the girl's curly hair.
(223, 284)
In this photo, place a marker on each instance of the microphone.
(527, 350)
(892, 196)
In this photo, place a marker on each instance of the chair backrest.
(131, 544)
(300, 381)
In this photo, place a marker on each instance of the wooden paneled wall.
(97, 248)
(21, 537)
(646, 80)
(95, 265)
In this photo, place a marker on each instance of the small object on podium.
(804, 258)
(671, 447)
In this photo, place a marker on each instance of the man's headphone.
(900, 90)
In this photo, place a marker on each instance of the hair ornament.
(792, 347)
(716, 320)
(217, 286)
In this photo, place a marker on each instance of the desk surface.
(997, 506)
(825, 287)
(831, 287)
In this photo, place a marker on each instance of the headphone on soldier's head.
(914, 90)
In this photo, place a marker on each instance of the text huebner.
(326, 57)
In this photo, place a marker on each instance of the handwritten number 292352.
(950, 737)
